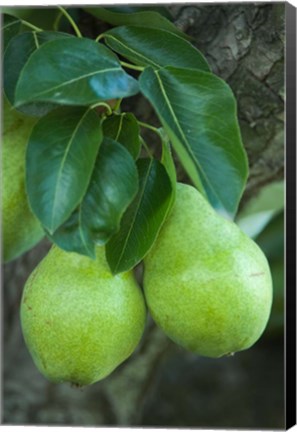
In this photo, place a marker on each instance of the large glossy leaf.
(16, 56)
(143, 219)
(61, 155)
(113, 185)
(123, 128)
(198, 112)
(154, 47)
(10, 28)
(76, 71)
(148, 18)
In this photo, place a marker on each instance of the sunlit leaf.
(74, 71)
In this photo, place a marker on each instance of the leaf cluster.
(90, 177)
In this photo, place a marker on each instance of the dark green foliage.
(87, 181)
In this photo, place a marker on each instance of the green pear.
(20, 228)
(207, 285)
(78, 320)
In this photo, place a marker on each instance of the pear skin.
(207, 284)
(78, 320)
(20, 228)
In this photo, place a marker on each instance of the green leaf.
(154, 47)
(132, 9)
(73, 236)
(168, 163)
(113, 185)
(42, 17)
(16, 56)
(198, 112)
(149, 19)
(11, 27)
(61, 155)
(123, 128)
(76, 71)
(271, 239)
(261, 208)
(167, 158)
(143, 219)
(276, 321)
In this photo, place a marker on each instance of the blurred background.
(162, 384)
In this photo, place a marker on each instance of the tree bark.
(244, 44)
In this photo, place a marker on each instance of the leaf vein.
(120, 128)
(135, 52)
(187, 145)
(63, 161)
(134, 216)
(81, 230)
(75, 80)
(10, 24)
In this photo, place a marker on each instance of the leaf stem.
(99, 37)
(131, 66)
(154, 129)
(75, 28)
(118, 104)
(32, 26)
(150, 154)
(104, 104)
(57, 21)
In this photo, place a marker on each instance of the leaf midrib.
(63, 164)
(187, 145)
(120, 127)
(147, 61)
(81, 231)
(74, 80)
(11, 24)
(134, 216)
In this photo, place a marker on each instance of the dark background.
(162, 384)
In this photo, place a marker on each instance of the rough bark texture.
(162, 384)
